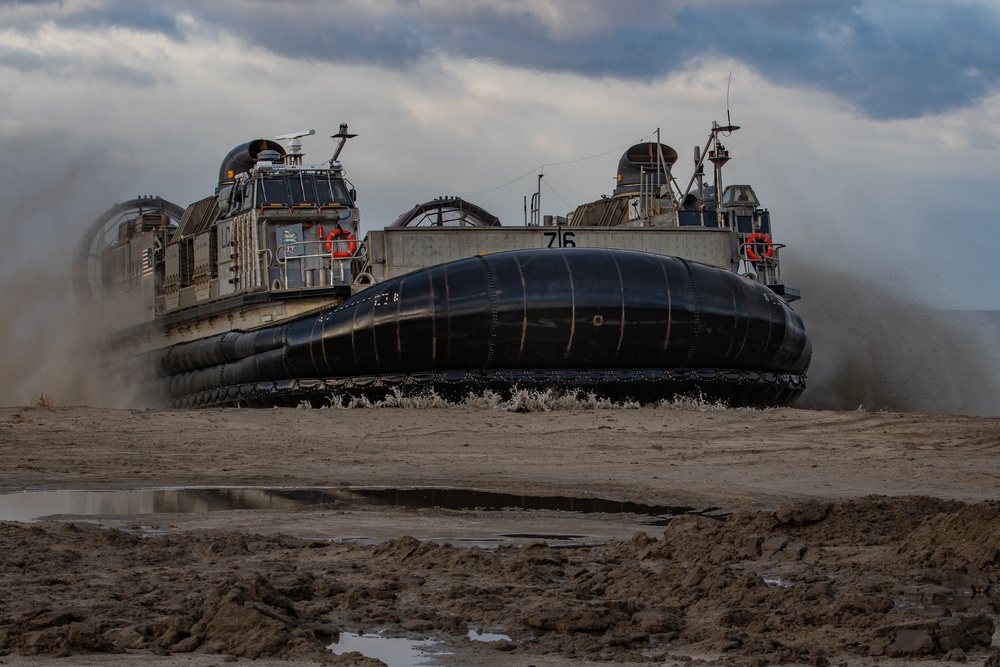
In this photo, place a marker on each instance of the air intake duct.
(242, 158)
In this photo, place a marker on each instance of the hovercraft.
(266, 293)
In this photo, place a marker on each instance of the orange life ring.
(351, 247)
(758, 237)
(329, 239)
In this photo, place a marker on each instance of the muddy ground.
(833, 538)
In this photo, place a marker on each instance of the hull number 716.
(560, 239)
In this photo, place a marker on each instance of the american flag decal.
(147, 261)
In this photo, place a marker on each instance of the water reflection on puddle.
(32, 505)
(402, 652)
(393, 651)
(480, 636)
(775, 580)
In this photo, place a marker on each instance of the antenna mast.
(343, 136)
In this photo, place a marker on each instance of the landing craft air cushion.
(265, 293)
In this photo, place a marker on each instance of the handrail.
(330, 266)
(281, 258)
(767, 267)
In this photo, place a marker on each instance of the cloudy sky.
(869, 127)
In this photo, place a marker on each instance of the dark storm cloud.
(888, 59)
(393, 43)
(141, 16)
(67, 61)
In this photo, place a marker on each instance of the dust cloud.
(878, 350)
(49, 344)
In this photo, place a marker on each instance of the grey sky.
(887, 58)
(875, 111)
(871, 129)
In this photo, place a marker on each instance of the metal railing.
(307, 264)
(761, 259)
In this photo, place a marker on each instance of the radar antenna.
(294, 145)
(295, 135)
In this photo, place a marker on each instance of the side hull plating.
(621, 323)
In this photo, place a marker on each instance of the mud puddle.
(393, 651)
(402, 651)
(32, 505)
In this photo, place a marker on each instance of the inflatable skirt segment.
(621, 324)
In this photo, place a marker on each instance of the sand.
(851, 538)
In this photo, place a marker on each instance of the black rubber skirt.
(622, 324)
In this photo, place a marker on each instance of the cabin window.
(272, 191)
(332, 191)
(246, 200)
(302, 189)
(739, 195)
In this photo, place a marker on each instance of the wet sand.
(851, 538)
